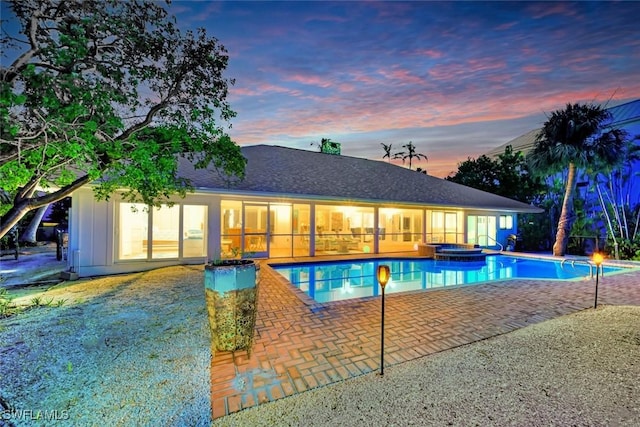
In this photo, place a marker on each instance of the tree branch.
(143, 124)
(11, 73)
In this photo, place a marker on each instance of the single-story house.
(291, 203)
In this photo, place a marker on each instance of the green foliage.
(110, 92)
(534, 232)
(507, 176)
(574, 135)
(627, 249)
(6, 308)
(574, 139)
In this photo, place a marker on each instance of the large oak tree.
(110, 92)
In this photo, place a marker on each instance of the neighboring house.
(291, 203)
(625, 116)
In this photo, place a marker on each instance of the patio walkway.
(300, 345)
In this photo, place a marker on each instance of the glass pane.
(451, 227)
(482, 231)
(472, 232)
(402, 229)
(231, 226)
(301, 230)
(281, 224)
(194, 224)
(344, 229)
(491, 230)
(165, 232)
(256, 227)
(133, 220)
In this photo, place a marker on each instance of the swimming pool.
(341, 280)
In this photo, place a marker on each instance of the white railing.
(497, 243)
(584, 261)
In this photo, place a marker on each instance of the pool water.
(340, 280)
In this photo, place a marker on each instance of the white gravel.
(126, 351)
(122, 351)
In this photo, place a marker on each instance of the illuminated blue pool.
(340, 280)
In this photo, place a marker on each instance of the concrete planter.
(231, 295)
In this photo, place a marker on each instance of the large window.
(133, 226)
(231, 218)
(194, 219)
(399, 229)
(343, 229)
(165, 232)
(506, 222)
(445, 227)
(481, 230)
(155, 234)
(301, 230)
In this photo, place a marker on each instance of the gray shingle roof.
(287, 172)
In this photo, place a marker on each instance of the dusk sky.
(455, 78)
(458, 79)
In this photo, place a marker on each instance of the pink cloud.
(310, 80)
(447, 71)
(262, 89)
(535, 69)
(544, 9)
(506, 25)
(430, 53)
(485, 64)
(363, 78)
(404, 76)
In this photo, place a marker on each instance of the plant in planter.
(231, 295)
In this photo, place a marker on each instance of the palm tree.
(387, 152)
(411, 154)
(572, 138)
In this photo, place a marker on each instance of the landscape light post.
(383, 278)
(597, 259)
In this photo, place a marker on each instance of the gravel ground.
(127, 351)
(130, 350)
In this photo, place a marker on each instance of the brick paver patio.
(300, 345)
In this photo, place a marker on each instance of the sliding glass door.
(256, 229)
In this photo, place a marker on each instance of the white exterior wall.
(92, 236)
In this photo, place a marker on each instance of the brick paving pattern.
(300, 345)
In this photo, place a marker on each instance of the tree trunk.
(22, 205)
(566, 216)
(29, 235)
(11, 218)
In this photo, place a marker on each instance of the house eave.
(365, 201)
